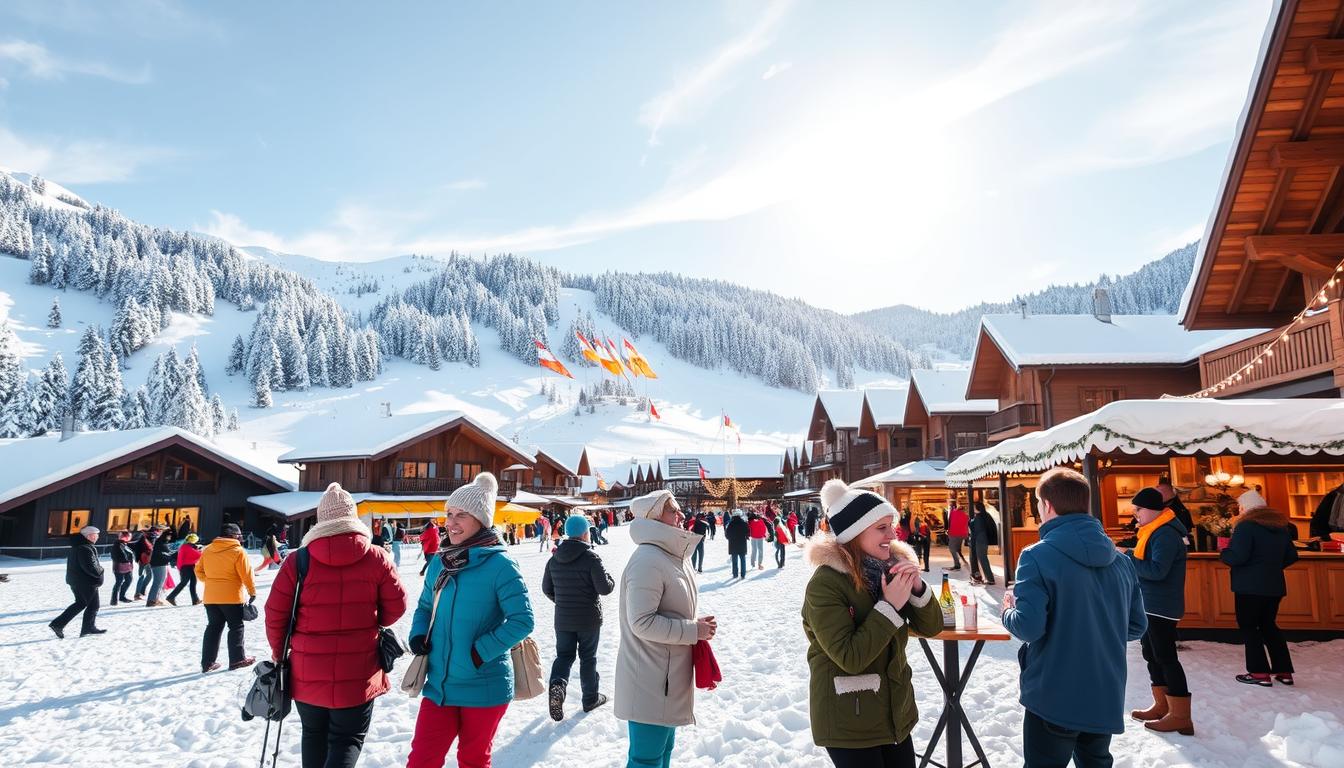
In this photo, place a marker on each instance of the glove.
(251, 599)
(419, 645)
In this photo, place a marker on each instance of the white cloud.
(43, 64)
(778, 68)
(701, 85)
(79, 161)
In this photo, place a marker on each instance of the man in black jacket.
(575, 580)
(84, 574)
(736, 532)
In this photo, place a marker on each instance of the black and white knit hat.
(850, 511)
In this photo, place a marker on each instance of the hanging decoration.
(1319, 301)
(721, 488)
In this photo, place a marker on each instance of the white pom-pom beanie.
(477, 498)
(850, 511)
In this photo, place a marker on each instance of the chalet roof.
(842, 406)
(915, 473)
(886, 405)
(685, 466)
(1280, 187)
(1133, 426)
(1085, 340)
(378, 436)
(36, 465)
(944, 392)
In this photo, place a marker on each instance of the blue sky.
(851, 154)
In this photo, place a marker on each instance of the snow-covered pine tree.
(261, 389)
(192, 367)
(218, 418)
(233, 420)
(237, 356)
(168, 409)
(133, 409)
(16, 413)
(317, 357)
(105, 412)
(432, 351)
(87, 385)
(39, 271)
(294, 357)
(54, 316)
(275, 368)
(11, 364)
(60, 268)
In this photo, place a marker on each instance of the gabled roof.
(562, 456)
(35, 466)
(942, 392)
(787, 466)
(686, 466)
(1085, 340)
(836, 409)
(882, 408)
(380, 436)
(929, 471)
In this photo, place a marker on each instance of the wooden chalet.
(1275, 238)
(1047, 369)
(951, 423)
(128, 480)
(552, 475)
(833, 436)
(882, 420)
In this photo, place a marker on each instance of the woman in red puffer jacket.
(351, 590)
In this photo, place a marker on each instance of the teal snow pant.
(650, 745)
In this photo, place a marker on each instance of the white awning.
(1168, 427)
(929, 471)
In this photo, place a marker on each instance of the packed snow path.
(136, 695)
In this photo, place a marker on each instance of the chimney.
(67, 427)
(1022, 305)
(1101, 305)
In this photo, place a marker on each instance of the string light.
(720, 488)
(1322, 298)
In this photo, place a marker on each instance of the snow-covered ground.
(135, 695)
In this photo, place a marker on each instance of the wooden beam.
(1323, 55)
(1239, 290)
(1313, 153)
(1308, 254)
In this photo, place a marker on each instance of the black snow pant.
(86, 600)
(900, 755)
(1159, 650)
(188, 578)
(217, 616)
(333, 738)
(980, 566)
(922, 549)
(698, 557)
(779, 553)
(121, 585)
(1257, 618)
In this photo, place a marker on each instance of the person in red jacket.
(793, 527)
(757, 529)
(958, 528)
(429, 543)
(187, 556)
(351, 590)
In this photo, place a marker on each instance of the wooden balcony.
(1314, 348)
(415, 486)
(877, 460)
(143, 487)
(1016, 419)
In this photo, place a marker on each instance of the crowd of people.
(1077, 601)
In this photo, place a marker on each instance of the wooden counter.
(1315, 599)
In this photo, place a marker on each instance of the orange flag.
(639, 362)
(586, 349)
(547, 360)
(607, 360)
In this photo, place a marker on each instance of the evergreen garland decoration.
(1052, 455)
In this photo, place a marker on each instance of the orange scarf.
(1147, 530)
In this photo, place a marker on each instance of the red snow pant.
(437, 727)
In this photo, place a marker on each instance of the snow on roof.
(566, 455)
(1306, 426)
(944, 391)
(32, 463)
(294, 503)
(366, 437)
(843, 407)
(887, 405)
(1085, 340)
(682, 466)
(527, 498)
(914, 472)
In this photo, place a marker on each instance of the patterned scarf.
(1147, 530)
(455, 556)
(874, 571)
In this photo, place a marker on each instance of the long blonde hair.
(852, 556)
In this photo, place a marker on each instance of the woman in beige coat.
(655, 680)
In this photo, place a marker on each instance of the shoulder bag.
(527, 675)
(418, 670)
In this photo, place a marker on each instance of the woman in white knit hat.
(862, 602)
(483, 611)
(655, 685)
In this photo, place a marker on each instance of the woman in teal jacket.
(483, 611)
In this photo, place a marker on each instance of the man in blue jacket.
(1159, 562)
(1075, 606)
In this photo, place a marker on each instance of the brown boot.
(1159, 708)
(1177, 719)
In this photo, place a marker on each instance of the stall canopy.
(1169, 426)
(912, 473)
(515, 514)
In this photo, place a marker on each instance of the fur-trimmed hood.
(1266, 516)
(336, 527)
(823, 549)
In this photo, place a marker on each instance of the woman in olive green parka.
(861, 604)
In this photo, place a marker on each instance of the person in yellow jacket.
(226, 574)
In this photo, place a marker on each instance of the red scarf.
(707, 674)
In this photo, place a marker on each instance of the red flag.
(654, 411)
(547, 360)
(702, 472)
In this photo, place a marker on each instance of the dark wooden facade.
(893, 444)
(947, 435)
(133, 492)
(835, 451)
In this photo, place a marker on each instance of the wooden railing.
(1014, 416)
(1312, 348)
(878, 458)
